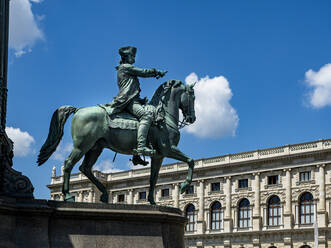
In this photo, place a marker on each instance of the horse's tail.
(55, 132)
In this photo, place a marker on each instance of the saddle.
(125, 120)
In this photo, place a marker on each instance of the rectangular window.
(142, 195)
(305, 176)
(165, 192)
(243, 183)
(215, 187)
(190, 190)
(120, 198)
(273, 180)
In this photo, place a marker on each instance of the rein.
(181, 124)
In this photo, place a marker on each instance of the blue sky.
(265, 64)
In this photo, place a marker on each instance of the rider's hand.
(161, 73)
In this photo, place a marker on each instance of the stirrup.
(136, 159)
(145, 151)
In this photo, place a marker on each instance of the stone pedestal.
(12, 182)
(41, 223)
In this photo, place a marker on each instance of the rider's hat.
(127, 50)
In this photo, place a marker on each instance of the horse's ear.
(192, 85)
(177, 83)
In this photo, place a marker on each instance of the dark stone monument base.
(53, 224)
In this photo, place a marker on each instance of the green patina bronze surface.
(98, 127)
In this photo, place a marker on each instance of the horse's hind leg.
(86, 168)
(69, 163)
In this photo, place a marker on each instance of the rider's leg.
(143, 129)
(145, 121)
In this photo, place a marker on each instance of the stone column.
(90, 196)
(228, 222)
(130, 198)
(53, 174)
(321, 210)
(110, 197)
(288, 200)
(201, 223)
(256, 210)
(176, 195)
(80, 196)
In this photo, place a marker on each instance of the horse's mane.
(162, 91)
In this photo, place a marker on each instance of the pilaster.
(256, 209)
(79, 196)
(228, 223)
(321, 210)
(201, 223)
(288, 200)
(176, 195)
(130, 198)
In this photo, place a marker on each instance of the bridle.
(182, 123)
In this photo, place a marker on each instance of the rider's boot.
(143, 129)
(136, 159)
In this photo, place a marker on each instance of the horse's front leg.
(177, 154)
(155, 168)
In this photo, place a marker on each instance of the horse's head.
(187, 103)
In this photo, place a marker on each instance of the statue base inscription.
(40, 223)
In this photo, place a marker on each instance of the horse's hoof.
(104, 198)
(151, 201)
(69, 199)
(183, 187)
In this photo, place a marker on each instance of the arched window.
(244, 214)
(306, 208)
(190, 215)
(216, 216)
(274, 211)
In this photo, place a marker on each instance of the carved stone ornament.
(265, 195)
(13, 183)
(210, 200)
(237, 197)
(313, 189)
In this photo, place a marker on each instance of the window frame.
(303, 175)
(304, 205)
(216, 217)
(271, 180)
(244, 215)
(212, 188)
(163, 192)
(191, 218)
(240, 186)
(188, 192)
(119, 198)
(140, 194)
(276, 212)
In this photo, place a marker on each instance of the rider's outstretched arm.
(142, 72)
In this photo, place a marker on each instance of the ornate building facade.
(277, 197)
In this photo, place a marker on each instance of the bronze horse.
(91, 133)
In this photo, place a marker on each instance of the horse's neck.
(172, 111)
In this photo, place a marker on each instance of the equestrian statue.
(128, 125)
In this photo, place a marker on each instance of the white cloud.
(22, 141)
(106, 166)
(62, 151)
(24, 31)
(320, 83)
(215, 115)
